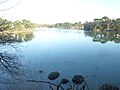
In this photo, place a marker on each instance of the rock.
(41, 71)
(64, 81)
(53, 75)
(77, 79)
(108, 87)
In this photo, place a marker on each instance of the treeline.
(41, 25)
(103, 23)
(67, 25)
(15, 25)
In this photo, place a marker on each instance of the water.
(71, 52)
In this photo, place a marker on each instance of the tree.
(106, 23)
(4, 24)
(27, 23)
(117, 24)
(89, 26)
(17, 25)
(105, 19)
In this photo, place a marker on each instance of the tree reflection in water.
(10, 38)
(11, 68)
(104, 36)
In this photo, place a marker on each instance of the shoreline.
(19, 31)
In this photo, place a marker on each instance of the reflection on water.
(104, 36)
(11, 68)
(15, 37)
(71, 53)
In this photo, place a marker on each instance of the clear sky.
(55, 11)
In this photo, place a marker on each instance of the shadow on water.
(11, 69)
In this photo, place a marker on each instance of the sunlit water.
(70, 52)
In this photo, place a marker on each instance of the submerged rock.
(53, 75)
(108, 87)
(77, 79)
(64, 81)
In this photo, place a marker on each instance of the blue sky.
(55, 11)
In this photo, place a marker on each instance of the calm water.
(71, 52)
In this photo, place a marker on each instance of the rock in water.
(53, 75)
(77, 79)
(64, 81)
(108, 87)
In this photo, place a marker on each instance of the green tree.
(89, 26)
(117, 24)
(4, 24)
(17, 25)
(27, 23)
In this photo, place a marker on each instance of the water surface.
(72, 52)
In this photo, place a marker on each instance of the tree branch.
(45, 82)
(11, 6)
(3, 1)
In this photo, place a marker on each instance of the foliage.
(67, 25)
(4, 24)
(16, 25)
(102, 24)
(27, 23)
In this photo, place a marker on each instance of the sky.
(58, 11)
